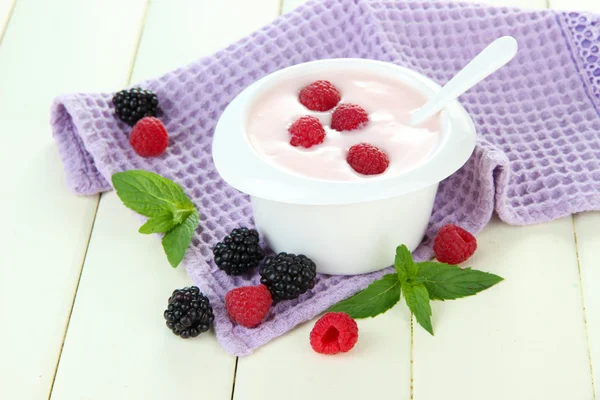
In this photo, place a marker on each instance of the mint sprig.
(377, 298)
(169, 210)
(419, 283)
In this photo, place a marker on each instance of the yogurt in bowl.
(310, 201)
(387, 101)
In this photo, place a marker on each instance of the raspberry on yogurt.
(348, 117)
(319, 96)
(306, 131)
(367, 159)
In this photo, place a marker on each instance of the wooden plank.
(524, 338)
(137, 356)
(289, 5)
(588, 240)
(377, 368)
(50, 47)
(576, 5)
(531, 4)
(180, 31)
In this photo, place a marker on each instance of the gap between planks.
(412, 358)
(62, 343)
(7, 21)
(129, 74)
(585, 323)
(234, 375)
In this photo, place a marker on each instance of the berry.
(288, 275)
(249, 305)
(319, 96)
(134, 104)
(367, 159)
(306, 131)
(453, 245)
(189, 312)
(334, 332)
(348, 117)
(149, 137)
(239, 252)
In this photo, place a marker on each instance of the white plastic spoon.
(493, 57)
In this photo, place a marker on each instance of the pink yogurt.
(388, 102)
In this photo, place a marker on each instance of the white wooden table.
(82, 293)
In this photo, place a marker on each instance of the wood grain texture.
(49, 47)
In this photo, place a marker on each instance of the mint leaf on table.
(377, 298)
(176, 241)
(150, 194)
(419, 283)
(404, 264)
(449, 282)
(417, 300)
(169, 210)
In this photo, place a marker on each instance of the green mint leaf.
(404, 264)
(150, 194)
(417, 299)
(449, 282)
(377, 298)
(160, 224)
(176, 241)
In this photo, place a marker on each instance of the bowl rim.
(240, 165)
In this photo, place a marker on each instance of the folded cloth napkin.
(538, 124)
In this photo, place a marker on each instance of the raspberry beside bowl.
(349, 227)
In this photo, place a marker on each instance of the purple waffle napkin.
(538, 124)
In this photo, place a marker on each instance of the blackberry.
(239, 252)
(288, 275)
(134, 104)
(189, 312)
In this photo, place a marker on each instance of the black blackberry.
(134, 104)
(189, 312)
(239, 252)
(288, 275)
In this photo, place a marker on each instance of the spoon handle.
(494, 56)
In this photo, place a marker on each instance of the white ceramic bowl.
(347, 228)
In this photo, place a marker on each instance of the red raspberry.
(333, 333)
(149, 137)
(348, 117)
(249, 305)
(453, 245)
(367, 159)
(319, 96)
(306, 132)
